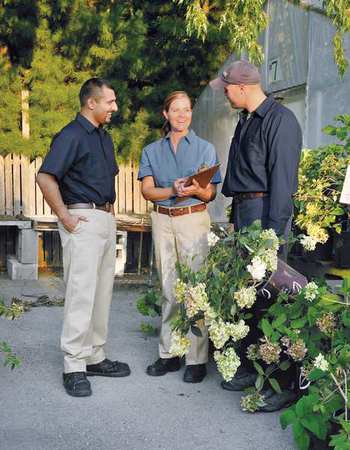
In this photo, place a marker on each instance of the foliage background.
(142, 47)
(146, 48)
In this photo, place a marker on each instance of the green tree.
(243, 21)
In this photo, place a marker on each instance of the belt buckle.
(170, 212)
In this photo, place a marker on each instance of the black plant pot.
(322, 252)
(285, 279)
(342, 250)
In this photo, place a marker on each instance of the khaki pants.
(89, 265)
(191, 234)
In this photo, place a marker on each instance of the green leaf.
(279, 321)
(316, 425)
(298, 323)
(259, 382)
(258, 368)
(275, 385)
(303, 441)
(287, 417)
(266, 328)
(316, 374)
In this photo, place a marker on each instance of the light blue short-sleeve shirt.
(159, 161)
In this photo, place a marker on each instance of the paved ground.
(133, 413)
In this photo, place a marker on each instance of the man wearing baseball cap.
(261, 178)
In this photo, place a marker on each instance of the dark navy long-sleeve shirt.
(264, 157)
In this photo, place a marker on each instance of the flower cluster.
(252, 402)
(220, 332)
(245, 297)
(180, 344)
(253, 352)
(271, 236)
(311, 291)
(269, 352)
(308, 242)
(212, 239)
(269, 258)
(296, 350)
(326, 323)
(257, 268)
(321, 362)
(227, 363)
(196, 299)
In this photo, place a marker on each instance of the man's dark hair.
(90, 89)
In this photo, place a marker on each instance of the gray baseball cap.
(239, 72)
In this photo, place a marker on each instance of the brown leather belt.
(174, 212)
(106, 207)
(248, 195)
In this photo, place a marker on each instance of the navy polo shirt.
(165, 166)
(83, 162)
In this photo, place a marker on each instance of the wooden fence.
(19, 193)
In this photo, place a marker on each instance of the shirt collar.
(190, 136)
(264, 107)
(85, 123)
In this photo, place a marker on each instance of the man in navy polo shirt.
(77, 179)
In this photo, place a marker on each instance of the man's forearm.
(49, 187)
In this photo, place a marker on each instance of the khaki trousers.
(191, 234)
(89, 265)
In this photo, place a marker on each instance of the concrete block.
(120, 250)
(20, 271)
(27, 247)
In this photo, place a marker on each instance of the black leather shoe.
(239, 382)
(76, 384)
(195, 373)
(163, 366)
(107, 368)
(275, 402)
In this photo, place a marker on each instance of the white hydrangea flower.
(180, 345)
(219, 333)
(238, 330)
(180, 290)
(321, 363)
(212, 239)
(270, 235)
(308, 242)
(196, 299)
(257, 268)
(269, 258)
(311, 291)
(209, 315)
(227, 363)
(245, 297)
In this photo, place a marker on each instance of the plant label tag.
(345, 193)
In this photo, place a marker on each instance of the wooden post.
(8, 186)
(17, 201)
(25, 114)
(128, 189)
(2, 186)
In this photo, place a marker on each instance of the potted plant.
(321, 176)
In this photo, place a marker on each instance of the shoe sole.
(194, 381)
(286, 405)
(110, 375)
(162, 374)
(79, 394)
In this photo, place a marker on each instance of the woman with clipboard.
(180, 220)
